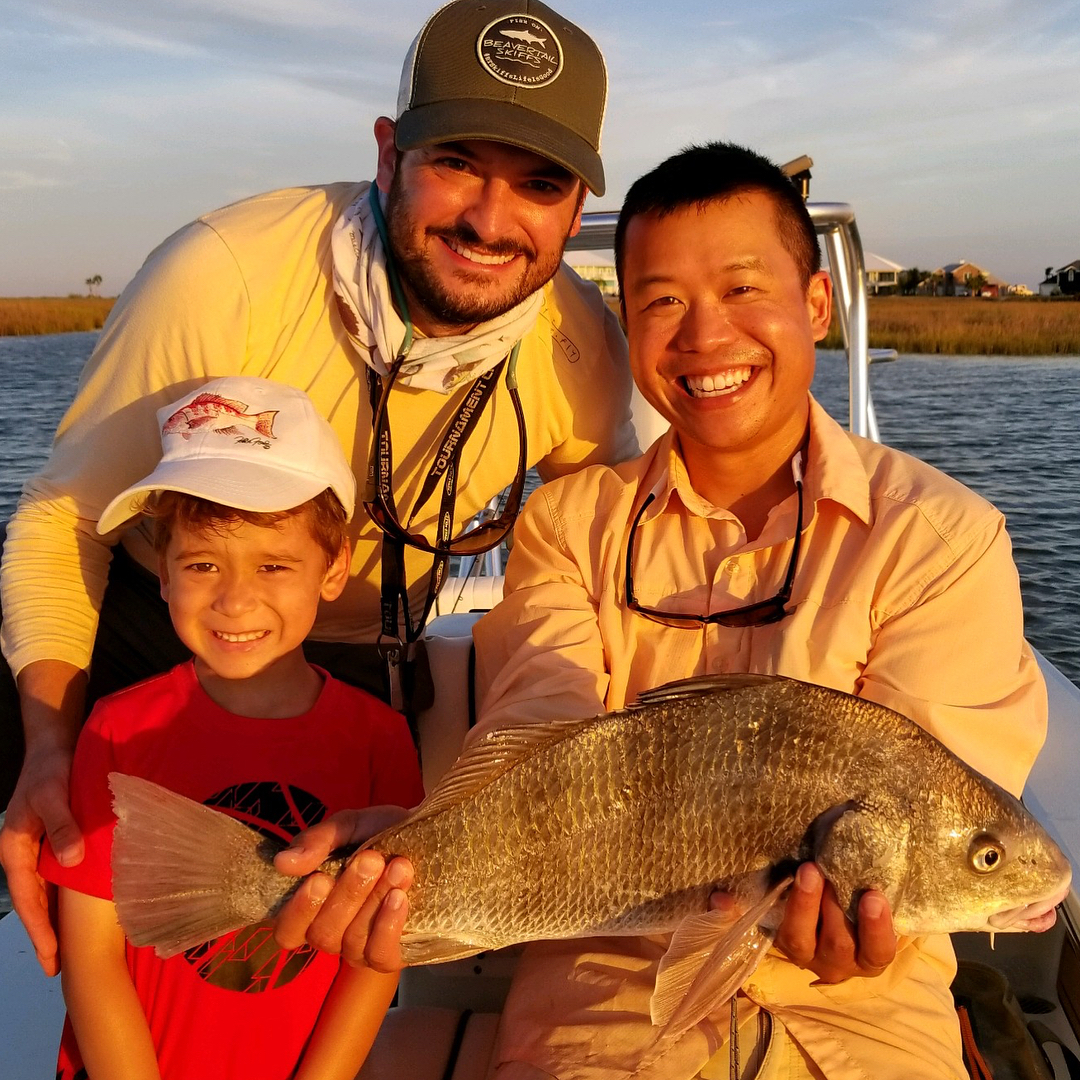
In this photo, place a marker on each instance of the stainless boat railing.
(835, 223)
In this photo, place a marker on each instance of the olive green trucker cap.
(512, 71)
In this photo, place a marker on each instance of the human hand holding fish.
(349, 916)
(39, 805)
(361, 915)
(816, 933)
(626, 824)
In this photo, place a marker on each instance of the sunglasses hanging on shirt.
(761, 613)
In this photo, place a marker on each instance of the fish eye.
(986, 854)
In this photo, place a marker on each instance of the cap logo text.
(521, 51)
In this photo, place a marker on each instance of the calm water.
(1009, 428)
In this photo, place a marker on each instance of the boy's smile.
(243, 598)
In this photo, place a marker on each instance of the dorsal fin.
(217, 399)
(700, 685)
(488, 759)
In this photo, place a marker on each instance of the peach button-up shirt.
(905, 593)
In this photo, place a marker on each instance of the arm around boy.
(391, 304)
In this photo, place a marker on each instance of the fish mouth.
(1036, 916)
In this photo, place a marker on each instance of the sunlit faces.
(475, 226)
(244, 597)
(722, 327)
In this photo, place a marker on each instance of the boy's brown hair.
(169, 509)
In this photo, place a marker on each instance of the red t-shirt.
(237, 1006)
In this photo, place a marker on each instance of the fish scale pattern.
(626, 823)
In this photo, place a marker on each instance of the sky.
(952, 129)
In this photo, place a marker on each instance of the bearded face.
(475, 229)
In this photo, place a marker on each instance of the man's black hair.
(700, 175)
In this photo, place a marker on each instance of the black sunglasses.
(760, 614)
(474, 541)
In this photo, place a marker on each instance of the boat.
(444, 1022)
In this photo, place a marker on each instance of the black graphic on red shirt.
(249, 961)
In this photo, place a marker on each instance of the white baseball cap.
(248, 443)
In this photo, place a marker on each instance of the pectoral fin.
(711, 955)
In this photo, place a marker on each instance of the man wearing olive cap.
(428, 317)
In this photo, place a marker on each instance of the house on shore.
(960, 279)
(597, 266)
(882, 276)
(1062, 282)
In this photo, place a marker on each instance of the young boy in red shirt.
(250, 503)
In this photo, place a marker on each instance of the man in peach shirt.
(758, 536)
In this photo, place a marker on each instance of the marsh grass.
(970, 326)
(53, 314)
(909, 324)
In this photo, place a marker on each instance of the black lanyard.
(395, 610)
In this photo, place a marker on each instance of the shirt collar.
(667, 478)
(833, 470)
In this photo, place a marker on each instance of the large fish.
(625, 823)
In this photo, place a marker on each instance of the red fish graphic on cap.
(210, 412)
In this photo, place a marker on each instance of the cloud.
(943, 125)
(279, 32)
(19, 180)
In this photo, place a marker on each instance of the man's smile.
(473, 255)
(722, 382)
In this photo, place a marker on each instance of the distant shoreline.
(33, 315)
(970, 326)
(950, 326)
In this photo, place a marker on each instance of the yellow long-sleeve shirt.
(247, 290)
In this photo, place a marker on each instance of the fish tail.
(184, 873)
(264, 422)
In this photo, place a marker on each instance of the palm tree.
(910, 278)
(92, 283)
(976, 283)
